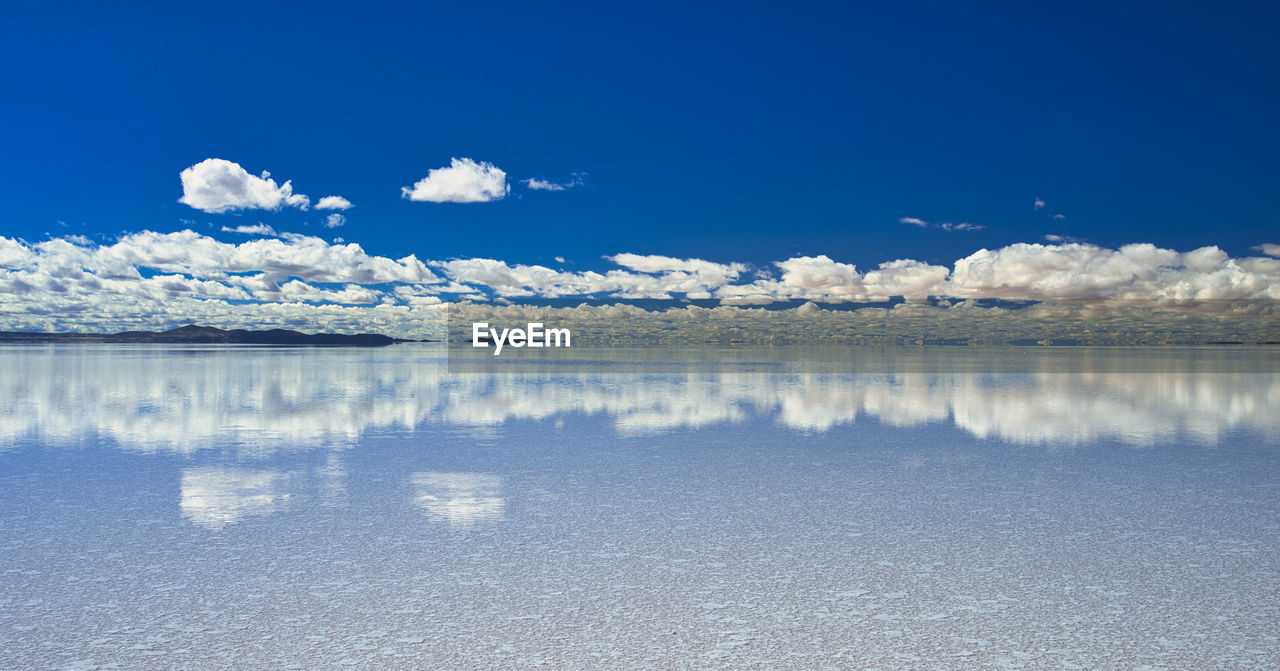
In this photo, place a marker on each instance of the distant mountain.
(193, 334)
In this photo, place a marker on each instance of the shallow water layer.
(213, 508)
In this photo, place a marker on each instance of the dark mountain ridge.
(192, 334)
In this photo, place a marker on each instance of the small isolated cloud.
(334, 220)
(654, 263)
(542, 185)
(962, 226)
(256, 229)
(1052, 237)
(1268, 248)
(559, 259)
(333, 203)
(1059, 217)
(946, 225)
(545, 185)
(464, 181)
(217, 185)
(1039, 204)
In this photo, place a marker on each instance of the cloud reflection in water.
(460, 499)
(265, 400)
(215, 496)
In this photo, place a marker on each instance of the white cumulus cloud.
(334, 220)
(217, 185)
(333, 203)
(15, 254)
(914, 221)
(1136, 271)
(464, 181)
(1268, 248)
(657, 264)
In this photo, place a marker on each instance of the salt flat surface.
(339, 509)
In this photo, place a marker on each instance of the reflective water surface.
(310, 508)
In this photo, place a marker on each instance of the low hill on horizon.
(194, 334)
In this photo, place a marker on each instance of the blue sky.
(745, 153)
(726, 132)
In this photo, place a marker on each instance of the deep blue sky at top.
(744, 131)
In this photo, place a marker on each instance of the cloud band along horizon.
(165, 279)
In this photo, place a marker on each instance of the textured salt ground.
(740, 546)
